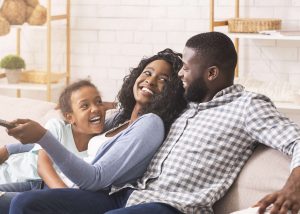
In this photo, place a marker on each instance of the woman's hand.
(27, 131)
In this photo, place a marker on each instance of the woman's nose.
(151, 80)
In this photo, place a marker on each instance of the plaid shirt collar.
(229, 91)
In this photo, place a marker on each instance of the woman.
(151, 98)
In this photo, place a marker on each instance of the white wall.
(110, 36)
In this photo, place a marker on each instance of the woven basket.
(238, 25)
(2, 74)
(4, 26)
(40, 77)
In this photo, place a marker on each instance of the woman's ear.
(213, 72)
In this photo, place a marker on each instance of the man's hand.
(4, 155)
(287, 199)
(27, 131)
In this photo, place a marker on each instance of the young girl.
(79, 101)
(84, 112)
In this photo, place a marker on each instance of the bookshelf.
(288, 36)
(48, 85)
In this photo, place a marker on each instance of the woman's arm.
(13, 148)
(47, 172)
(122, 159)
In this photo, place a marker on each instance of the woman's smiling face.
(151, 81)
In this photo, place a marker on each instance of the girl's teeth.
(95, 119)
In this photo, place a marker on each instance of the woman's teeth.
(147, 90)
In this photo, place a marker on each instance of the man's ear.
(213, 72)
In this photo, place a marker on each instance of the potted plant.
(13, 66)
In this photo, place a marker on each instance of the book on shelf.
(290, 32)
(281, 32)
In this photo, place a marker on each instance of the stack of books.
(281, 32)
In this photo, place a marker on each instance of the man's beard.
(197, 91)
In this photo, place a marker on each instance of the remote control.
(6, 124)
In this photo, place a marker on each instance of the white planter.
(13, 75)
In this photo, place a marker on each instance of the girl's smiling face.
(88, 114)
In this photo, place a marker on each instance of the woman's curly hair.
(168, 104)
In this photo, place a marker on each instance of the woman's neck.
(135, 113)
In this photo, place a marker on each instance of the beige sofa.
(265, 172)
(12, 108)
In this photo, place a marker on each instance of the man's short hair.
(216, 49)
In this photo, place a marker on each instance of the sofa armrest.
(265, 172)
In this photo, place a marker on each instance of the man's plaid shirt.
(208, 145)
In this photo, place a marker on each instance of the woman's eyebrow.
(151, 68)
(166, 75)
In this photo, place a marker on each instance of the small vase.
(13, 75)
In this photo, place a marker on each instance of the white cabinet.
(283, 106)
(64, 75)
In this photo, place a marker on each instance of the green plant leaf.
(12, 62)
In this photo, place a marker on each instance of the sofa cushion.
(265, 172)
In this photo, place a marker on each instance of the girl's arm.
(47, 172)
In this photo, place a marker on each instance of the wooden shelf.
(287, 106)
(60, 20)
(29, 86)
(282, 106)
(26, 26)
(262, 36)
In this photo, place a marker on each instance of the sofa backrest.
(12, 108)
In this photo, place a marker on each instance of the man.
(204, 151)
